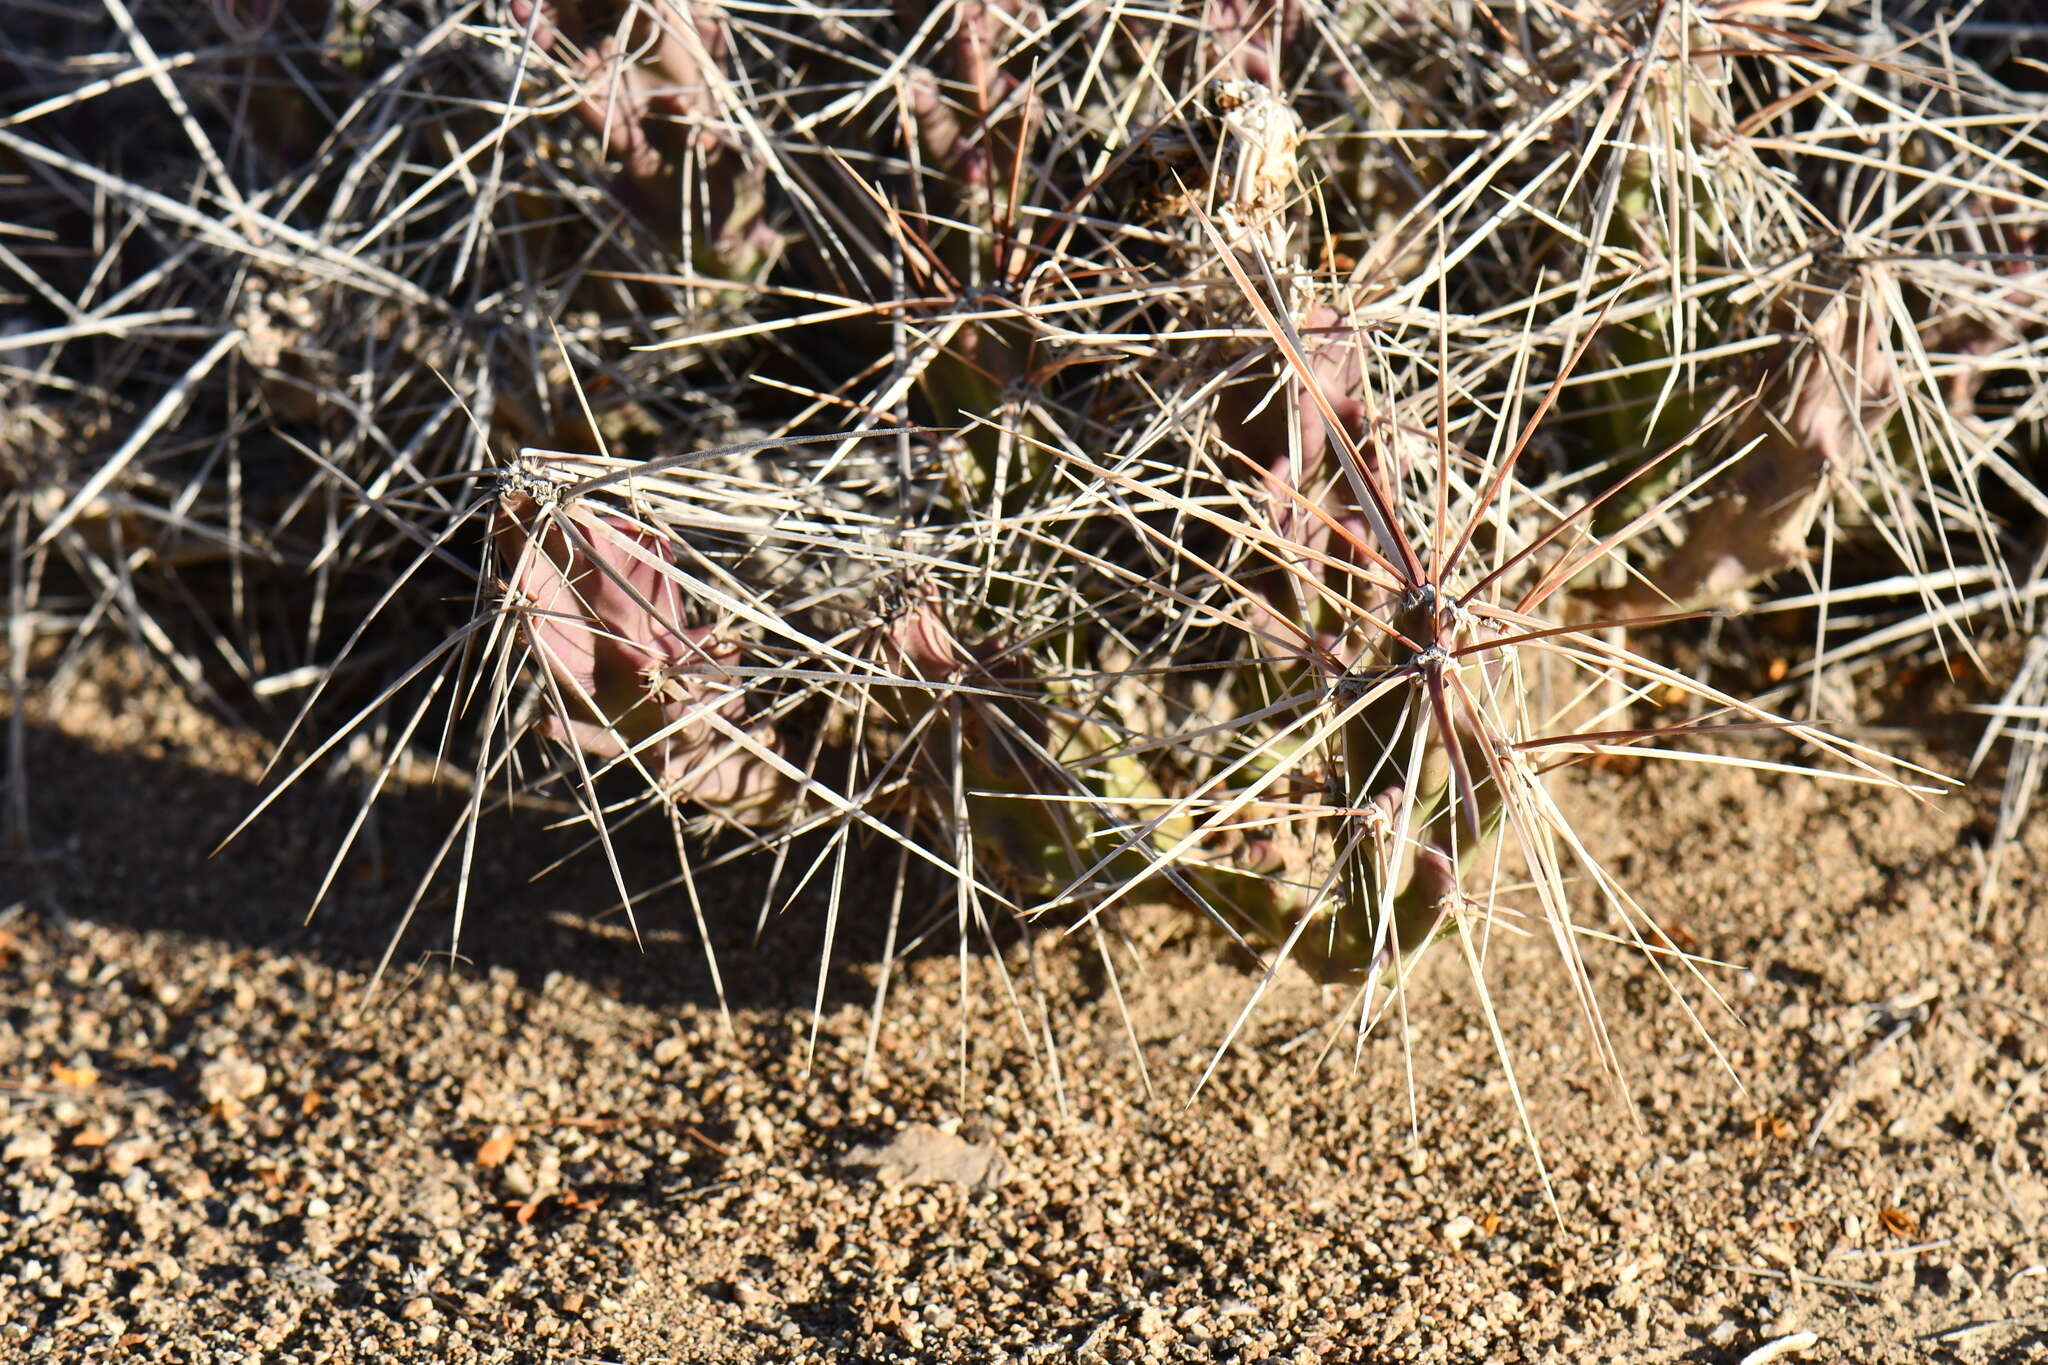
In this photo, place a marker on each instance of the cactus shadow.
(126, 839)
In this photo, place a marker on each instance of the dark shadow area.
(123, 839)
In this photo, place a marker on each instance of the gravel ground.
(218, 1145)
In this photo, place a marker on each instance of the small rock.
(747, 1294)
(441, 1204)
(313, 1280)
(417, 1307)
(29, 1144)
(72, 1270)
(920, 1154)
(670, 1050)
(232, 1077)
(316, 1207)
(1458, 1229)
(1784, 1325)
(124, 1156)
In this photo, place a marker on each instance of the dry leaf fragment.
(1678, 936)
(494, 1150)
(1772, 1126)
(525, 1210)
(1620, 764)
(1899, 1223)
(78, 1077)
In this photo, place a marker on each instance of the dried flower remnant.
(1257, 165)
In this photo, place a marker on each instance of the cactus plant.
(1235, 455)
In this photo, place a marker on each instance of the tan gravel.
(216, 1147)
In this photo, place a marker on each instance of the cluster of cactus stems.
(1233, 456)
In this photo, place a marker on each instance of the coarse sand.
(219, 1146)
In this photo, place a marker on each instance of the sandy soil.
(217, 1147)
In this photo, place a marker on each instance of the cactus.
(1237, 456)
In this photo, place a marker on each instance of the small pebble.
(231, 1077)
(124, 1156)
(30, 1144)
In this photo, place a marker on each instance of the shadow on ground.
(127, 840)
